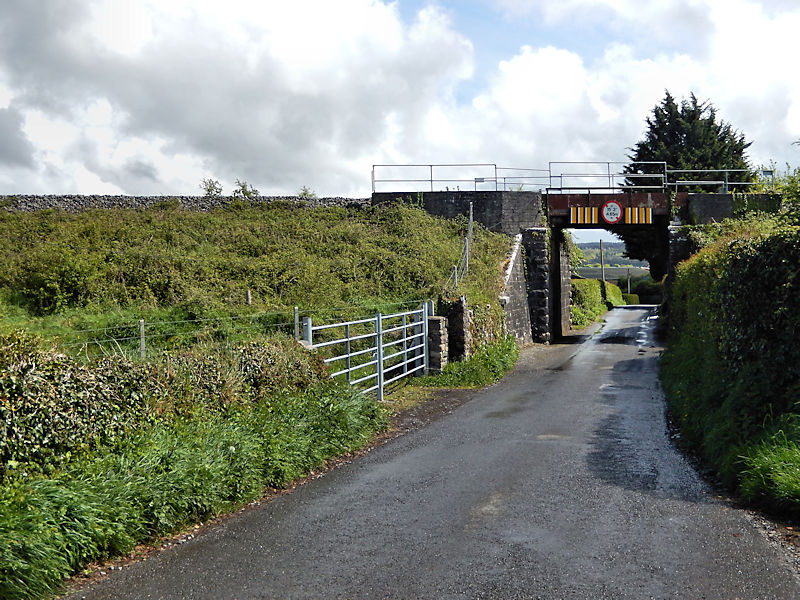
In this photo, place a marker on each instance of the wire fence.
(143, 338)
(460, 270)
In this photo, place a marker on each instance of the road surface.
(558, 482)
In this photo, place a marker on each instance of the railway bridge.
(642, 203)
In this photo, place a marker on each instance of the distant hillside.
(613, 255)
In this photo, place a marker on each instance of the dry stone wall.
(77, 203)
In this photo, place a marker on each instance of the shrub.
(730, 371)
(591, 298)
(52, 409)
(631, 298)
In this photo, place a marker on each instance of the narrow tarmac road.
(558, 482)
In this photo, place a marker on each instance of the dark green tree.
(688, 136)
(681, 136)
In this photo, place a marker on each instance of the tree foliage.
(688, 136)
(681, 136)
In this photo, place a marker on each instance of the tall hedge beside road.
(731, 370)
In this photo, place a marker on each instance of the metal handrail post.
(297, 323)
(431, 166)
(307, 331)
(379, 353)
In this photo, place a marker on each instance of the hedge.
(731, 371)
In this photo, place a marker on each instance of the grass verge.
(484, 367)
(167, 477)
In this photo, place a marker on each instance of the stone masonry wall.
(565, 288)
(515, 295)
(459, 334)
(537, 266)
(77, 203)
(503, 212)
(437, 344)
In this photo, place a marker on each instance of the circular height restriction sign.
(612, 212)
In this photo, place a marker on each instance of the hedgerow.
(730, 370)
(54, 409)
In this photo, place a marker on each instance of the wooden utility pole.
(602, 263)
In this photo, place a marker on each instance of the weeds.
(484, 367)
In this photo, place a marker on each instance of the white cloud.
(150, 96)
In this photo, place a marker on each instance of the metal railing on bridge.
(561, 177)
(456, 177)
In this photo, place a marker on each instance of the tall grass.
(167, 477)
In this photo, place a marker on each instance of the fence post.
(466, 255)
(455, 276)
(249, 298)
(296, 323)
(307, 332)
(425, 315)
(379, 353)
(141, 339)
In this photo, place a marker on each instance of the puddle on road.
(552, 437)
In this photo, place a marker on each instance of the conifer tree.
(684, 136)
(688, 136)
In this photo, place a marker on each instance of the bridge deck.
(586, 209)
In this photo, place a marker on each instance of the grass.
(167, 477)
(484, 367)
(771, 474)
(590, 299)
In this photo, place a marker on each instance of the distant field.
(613, 273)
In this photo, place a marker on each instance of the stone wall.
(515, 295)
(537, 267)
(77, 203)
(565, 285)
(459, 335)
(503, 212)
(437, 344)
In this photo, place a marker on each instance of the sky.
(151, 97)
